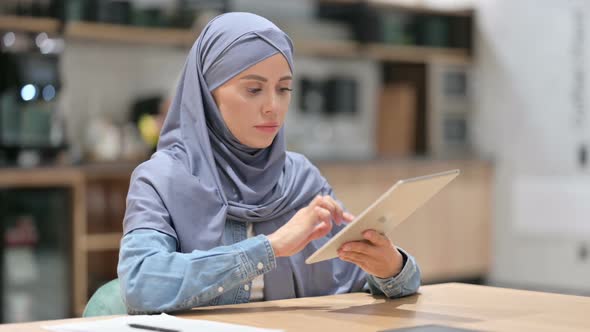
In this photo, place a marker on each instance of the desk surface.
(460, 305)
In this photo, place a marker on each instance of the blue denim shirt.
(156, 278)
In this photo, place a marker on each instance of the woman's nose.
(271, 104)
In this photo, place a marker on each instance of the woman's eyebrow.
(263, 79)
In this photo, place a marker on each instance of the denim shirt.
(156, 278)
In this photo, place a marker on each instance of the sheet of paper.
(121, 324)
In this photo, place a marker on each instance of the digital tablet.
(388, 211)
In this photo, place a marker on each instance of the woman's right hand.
(309, 223)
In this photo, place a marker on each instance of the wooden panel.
(80, 287)
(130, 34)
(29, 24)
(415, 54)
(101, 242)
(106, 204)
(396, 124)
(39, 177)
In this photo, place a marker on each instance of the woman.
(221, 213)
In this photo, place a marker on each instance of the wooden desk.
(460, 305)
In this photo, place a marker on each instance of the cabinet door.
(36, 254)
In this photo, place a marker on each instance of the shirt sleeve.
(155, 278)
(404, 283)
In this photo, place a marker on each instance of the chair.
(106, 301)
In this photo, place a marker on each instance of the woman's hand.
(376, 256)
(311, 222)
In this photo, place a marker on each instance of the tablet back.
(393, 207)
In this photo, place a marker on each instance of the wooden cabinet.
(96, 226)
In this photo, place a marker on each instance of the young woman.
(222, 213)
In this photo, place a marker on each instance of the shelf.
(109, 170)
(29, 24)
(417, 54)
(405, 6)
(382, 52)
(40, 177)
(101, 242)
(184, 38)
(417, 8)
(130, 34)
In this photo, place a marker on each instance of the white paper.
(121, 324)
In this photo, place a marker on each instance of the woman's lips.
(267, 128)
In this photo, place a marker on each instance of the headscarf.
(201, 173)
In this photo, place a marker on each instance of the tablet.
(388, 211)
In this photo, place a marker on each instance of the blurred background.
(384, 89)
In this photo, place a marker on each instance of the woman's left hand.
(376, 256)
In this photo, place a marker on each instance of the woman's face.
(254, 103)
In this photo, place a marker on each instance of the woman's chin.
(263, 145)
(258, 144)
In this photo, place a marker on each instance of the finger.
(359, 247)
(323, 214)
(376, 238)
(337, 213)
(355, 256)
(348, 217)
(316, 201)
(348, 258)
(324, 226)
(320, 230)
(327, 204)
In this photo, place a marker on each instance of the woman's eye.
(254, 90)
(286, 89)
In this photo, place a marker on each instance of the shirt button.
(220, 289)
(389, 286)
(246, 288)
(260, 266)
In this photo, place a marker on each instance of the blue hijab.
(203, 175)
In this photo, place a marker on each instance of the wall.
(101, 80)
(532, 100)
